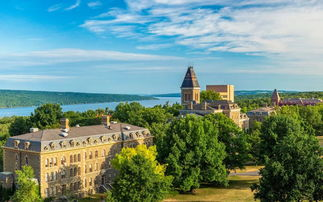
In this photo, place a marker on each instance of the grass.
(246, 169)
(238, 190)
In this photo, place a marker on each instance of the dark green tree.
(47, 116)
(235, 140)
(20, 126)
(209, 95)
(273, 130)
(28, 190)
(193, 153)
(294, 171)
(141, 177)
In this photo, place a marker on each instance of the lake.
(25, 111)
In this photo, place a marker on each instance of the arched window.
(90, 168)
(55, 161)
(75, 158)
(85, 182)
(96, 154)
(71, 172)
(103, 153)
(79, 157)
(75, 171)
(90, 155)
(71, 158)
(63, 160)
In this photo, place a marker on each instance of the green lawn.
(238, 190)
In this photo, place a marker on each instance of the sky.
(145, 46)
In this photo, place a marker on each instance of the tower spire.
(275, 98)
(190, 88)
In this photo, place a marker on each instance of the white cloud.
(29, 77)
(154, 46)
(94, 4)
(54, 8)
(282, 30)
(48, 57)
(75, 5)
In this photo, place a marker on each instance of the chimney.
(65, 123)
(106, 120)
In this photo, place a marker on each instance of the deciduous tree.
(209, 95)
(28, 190)
(141, 177)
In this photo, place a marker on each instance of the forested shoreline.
(24, 98)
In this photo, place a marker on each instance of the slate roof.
(190, 79)
(75, 132)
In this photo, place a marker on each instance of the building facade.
(193, 106)
(277, 101)
(259, 115)
(226, 91)
(73, 161)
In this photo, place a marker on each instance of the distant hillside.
(237, 93)
(20, 98)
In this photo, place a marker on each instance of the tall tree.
(235, 140)
(141, 177)
(209, 95)
(193, 153)
(28, 190)
(47, 116)
(294, 171)
(20, 126)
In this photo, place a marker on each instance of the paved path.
(250, 173)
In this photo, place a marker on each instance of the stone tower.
(190, 89)
(275, 99)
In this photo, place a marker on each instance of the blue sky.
(145, 46)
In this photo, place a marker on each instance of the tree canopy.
(141, 177)
(209, 95)
(28, 190)
(293, 168)
(193, 153)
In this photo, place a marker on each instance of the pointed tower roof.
(190, 80)
(275, 95)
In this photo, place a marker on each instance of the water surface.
(25, 111)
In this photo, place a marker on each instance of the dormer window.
(16, 143)
(27, 144)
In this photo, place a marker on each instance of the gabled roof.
(190, 80)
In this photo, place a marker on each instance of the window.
(103, 153)
(96, 154)
(47, 177)
(26, 160)
(63, 160)
(51, 176)
(46, 192)
(75, 158)
(46, 162)
(85, 182)
(75, 171)
(63, 174)
(50, 162)
(96, 167)
(55, 161)
(90, 155)
(71, 172)
(71, 158)
(90, 168)
(90, 182)
(79, 170)
(79, 157)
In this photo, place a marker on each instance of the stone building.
(260, 115)
(226, 91)
(190, 94)
(277, 101)
(73, 160)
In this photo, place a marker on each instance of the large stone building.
(277, 101)
(226, 91)
(190, 95)
(72, 160)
